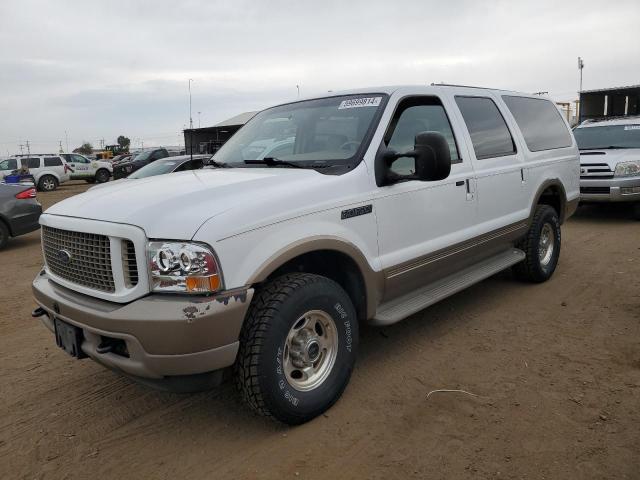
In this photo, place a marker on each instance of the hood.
(609, 156)
(175, 206)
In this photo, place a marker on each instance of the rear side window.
(540, 123)
(488, 130)
(52, 162)
(30, 162)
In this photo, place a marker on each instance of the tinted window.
(10, 164)
(489, 132)
(540, 123)
(30, 162)
(52, 162)
(156, 168)
(79, 159)
(608, 136)
(416, 116)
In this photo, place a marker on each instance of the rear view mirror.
(431, 155)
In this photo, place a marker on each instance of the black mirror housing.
(433, 159)
(431, 155)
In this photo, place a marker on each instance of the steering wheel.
(350, 145)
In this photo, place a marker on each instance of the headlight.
(183, 267)
(627, 169)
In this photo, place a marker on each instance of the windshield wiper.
(275, 162)
(610, 147)
(213, 163)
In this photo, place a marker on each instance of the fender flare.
(373, 281)
(555, 183)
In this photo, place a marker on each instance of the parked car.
(19, 211)
(120, 158)
(138, 161)
(610, 161)
(48, 170)
(391, 200)
(163, 166)
(90, 170)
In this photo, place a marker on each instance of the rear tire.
(297, 348)
(636, 211)
(48, 183)
(4, 235)
(102, 176)
(541, 245)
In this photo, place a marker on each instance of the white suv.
(90, 170)
(610, 160)
(48, 170)
(390, 200)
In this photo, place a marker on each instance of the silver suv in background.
(610, 161)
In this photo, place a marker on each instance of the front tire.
(102, 176)
(48, 183)
(297, 348)
(541, 245)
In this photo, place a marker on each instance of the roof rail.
(462, 86)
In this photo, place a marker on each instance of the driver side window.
(426, 116)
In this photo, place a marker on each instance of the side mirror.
(431, 155)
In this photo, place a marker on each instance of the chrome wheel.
(546, 244)
(310, 350)
(48, 184)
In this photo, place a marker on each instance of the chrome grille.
(82, 258)
(129, 263)
(595, 170)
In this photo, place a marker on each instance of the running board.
(400, 308)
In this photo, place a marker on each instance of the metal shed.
(210, 139)
(610, 102)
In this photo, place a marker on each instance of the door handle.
(459, 183)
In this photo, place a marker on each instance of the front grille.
(595, 190)
(129, 263)
(82, 258)
(595, 170)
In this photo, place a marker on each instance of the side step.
(402, 307)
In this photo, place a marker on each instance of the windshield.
(327, 131)
(156, 168)
(142, 156)
(611, 136)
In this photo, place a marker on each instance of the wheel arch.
(334, 258)
(551, 192)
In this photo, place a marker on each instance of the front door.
(423, 226)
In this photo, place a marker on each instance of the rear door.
(498, 165)
(423, 225)
(7, 166)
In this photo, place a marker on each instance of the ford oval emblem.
(64, 257)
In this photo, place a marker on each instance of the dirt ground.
(555, 367)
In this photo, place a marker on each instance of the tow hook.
(38, 312)
(104, 347)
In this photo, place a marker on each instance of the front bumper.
(165, 335)
(610, 189)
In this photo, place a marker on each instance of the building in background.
(609, 102)
(210, 139)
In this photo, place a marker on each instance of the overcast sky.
(98, 69)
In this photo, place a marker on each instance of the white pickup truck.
(390, 200)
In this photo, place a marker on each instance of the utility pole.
(298, 87)
(190, 122)
(60, 142)
(580, 67)
(199, 119)
(66, 137)
(28, 148)
(21, 147)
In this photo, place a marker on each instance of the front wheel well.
(337, 266)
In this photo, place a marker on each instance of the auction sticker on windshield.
(360, 102)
